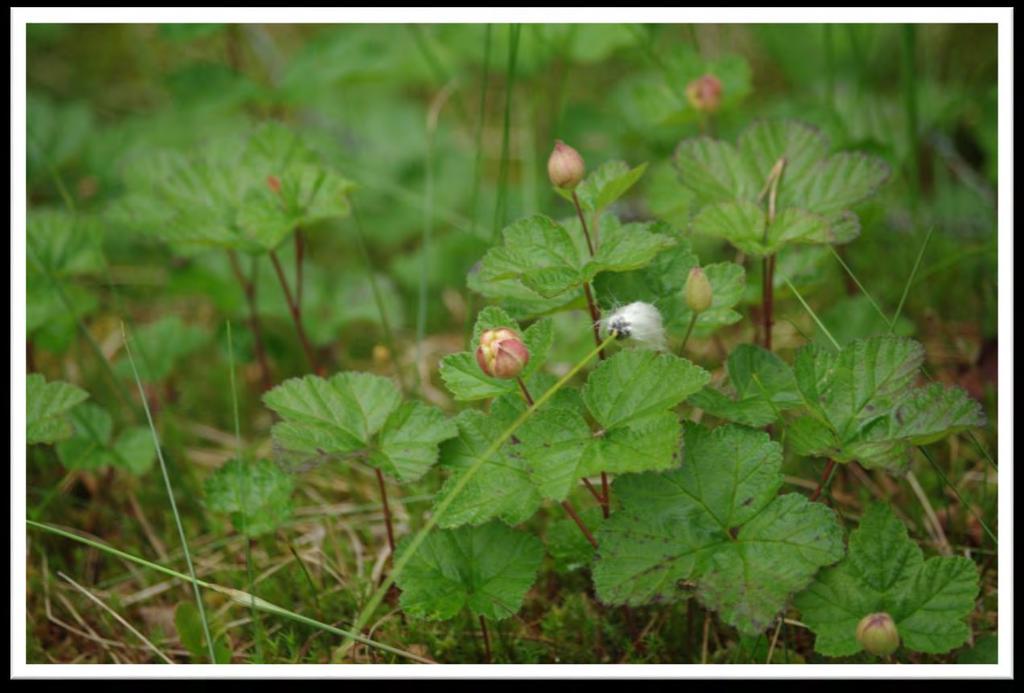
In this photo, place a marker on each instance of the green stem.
(170, 496)
(449, 498)
(689, 329)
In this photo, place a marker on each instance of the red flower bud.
(565, 166)
(274, 183)
(705, 93)
(501, 353)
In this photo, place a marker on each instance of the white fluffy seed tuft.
(639, 321)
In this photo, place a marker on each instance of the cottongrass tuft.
(638, 321)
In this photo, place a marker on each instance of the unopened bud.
(705, 93)
(698, 291)
(274, 183)
(502, 354)
(877, 634)
(565, 166)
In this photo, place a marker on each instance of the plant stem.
(606, 496)
(487, 639)
(771, 188)
(767, 299)
(249, 289)
(449, 498)
(296, 312)
(300, 251)
(689, 329)
(526, 393)
(583, 222)
(826, 476)
(595, 316)
(593, 491)
(387, 511)
(571, 511)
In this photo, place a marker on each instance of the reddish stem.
(579, 522)
(300, 251)
(387, 511)
(768, 270)
(249, 289)
(824, 478)
(593, 491)
(526, 393)
(606, 495)
(296, 312)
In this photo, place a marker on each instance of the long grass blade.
(170, 495)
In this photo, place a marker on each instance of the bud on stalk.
(502, 354)
(877, 634)
(705, 93)
(698, 292)
(565, 166)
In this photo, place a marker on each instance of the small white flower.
(640, 321)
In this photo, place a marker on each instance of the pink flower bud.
(705, 93)
(565, 166)
(877, 634)
(501, 353)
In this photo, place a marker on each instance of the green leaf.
(715, 527)
(838, 182)
(861, 404)
(88, 447)
(985, 651)
(538, 252)
(65, 244)
(336, 416)
(501, 488)
(715, 171)
(221, 194)
(763, 386)
(159, 346)
(486, 569)
(461, 373)
(47, 407)
(633, 384)
(885, 571)
(256, 495)
(627, 247)
(409, 441)
(91, 446)
(358, 414)
(605, 185)
(814, 192)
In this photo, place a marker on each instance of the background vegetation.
(440, 134)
